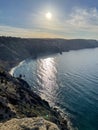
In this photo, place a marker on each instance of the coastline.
(58, 112)
(9, 59)
(13, 87)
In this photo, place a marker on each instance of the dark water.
(69, 81)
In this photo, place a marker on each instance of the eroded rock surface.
(28, 124)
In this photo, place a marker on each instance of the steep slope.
(17, 100)
(13, 50)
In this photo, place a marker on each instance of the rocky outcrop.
(17, 97)
(17, 100)
(37, 123)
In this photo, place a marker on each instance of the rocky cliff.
(21, 108)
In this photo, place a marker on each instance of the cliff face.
(14, 50)
(17, 100)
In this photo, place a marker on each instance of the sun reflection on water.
(47, 79)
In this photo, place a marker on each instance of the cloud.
(83, 17)
(27, 33)
(80, 23)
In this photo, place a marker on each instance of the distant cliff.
(13, 50)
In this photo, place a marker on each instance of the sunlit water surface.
(69, 81)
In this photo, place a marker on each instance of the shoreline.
(56, 110)
(13, 102)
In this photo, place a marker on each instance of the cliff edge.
(18, 104)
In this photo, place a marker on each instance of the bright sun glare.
(48, 16)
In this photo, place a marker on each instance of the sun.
(49, 16)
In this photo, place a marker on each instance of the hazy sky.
(70, 18)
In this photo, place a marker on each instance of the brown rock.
(28, 124)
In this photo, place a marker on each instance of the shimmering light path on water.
(69, 81)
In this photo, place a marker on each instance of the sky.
(70, 19)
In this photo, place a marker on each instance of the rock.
(17, 100)
(28, 124)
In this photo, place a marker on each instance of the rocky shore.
(22, 109)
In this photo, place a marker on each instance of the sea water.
(69, 81)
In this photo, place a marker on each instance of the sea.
(68, 81)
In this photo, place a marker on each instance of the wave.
(65, 117)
